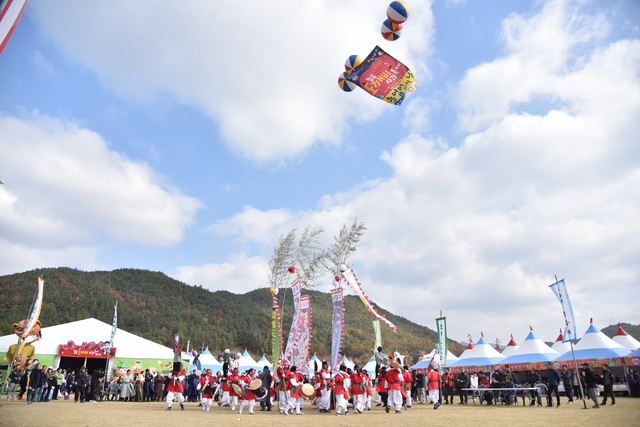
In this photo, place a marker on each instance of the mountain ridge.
(155, 306)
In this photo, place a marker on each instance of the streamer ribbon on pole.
(350, 277)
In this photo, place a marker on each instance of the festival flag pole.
(107, 348)
(559, 288)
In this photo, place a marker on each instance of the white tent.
(533, 349)
(595, 345)
(131, 350)
(127, 345)
(481, 354)
(511, 348)
(370, 366)
(467, 351)
(264, 362)
(626, 340)
(246, 362)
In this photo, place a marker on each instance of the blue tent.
(533, 349)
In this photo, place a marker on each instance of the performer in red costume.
(394, 377)
(295, 401)
(358, 389)
(382, 388)
(248, 398)
(283, 385)
(342, 382)
(233, 379)
(368, 390)
(434, 387)
(208, 385)
(175, 387)
(325, 386)
(408, 379)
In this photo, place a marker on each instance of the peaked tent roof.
(246, 362)
(467, 350)
(208, 361)
(264, 362)
(533, 349)
(511, 348)
(595, 345)
(559, 346)
(626, 340)
(370, 366)
(348, 363)
(127, 345)
(482, 354)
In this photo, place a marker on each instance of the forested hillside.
(155, 306)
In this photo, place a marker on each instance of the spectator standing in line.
(24, 380)
(553, 380)
(534, 380)
(463, 382)
(592, 385)
(607, 380)
(158, 387)
(148, 386)
(69, 386)
(35, 384)
(567, 381)
(14, 384)
(447, 386)
(420, 398)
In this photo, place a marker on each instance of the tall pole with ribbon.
(559, 288)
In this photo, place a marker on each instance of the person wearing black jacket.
(70, 386)
(35, 384)
(463, 382)
(553, 380)
(534, 379)
(592, 385)
(14, 383)
(98, 374)
(607, 380)
(265, 376)
(79, 382)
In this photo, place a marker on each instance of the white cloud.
(240, 274)
(480, 231)
(266, 72)
(63, 186)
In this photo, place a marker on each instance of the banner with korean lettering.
(383, 76)
(443, 347)
(302, 342)
(296, 288)
(560, 290)
(337, 322)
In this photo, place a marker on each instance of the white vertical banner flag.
(443, 347)
(114, 326)
(570, 331)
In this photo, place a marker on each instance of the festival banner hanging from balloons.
(380, 75)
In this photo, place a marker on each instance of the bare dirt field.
(69, 414)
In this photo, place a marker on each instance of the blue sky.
(187, 137)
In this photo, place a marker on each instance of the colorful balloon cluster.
(397, 13)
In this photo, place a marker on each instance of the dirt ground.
(67, 413)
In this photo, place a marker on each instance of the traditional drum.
(307, 391)
(255, 384)
(260, 392)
